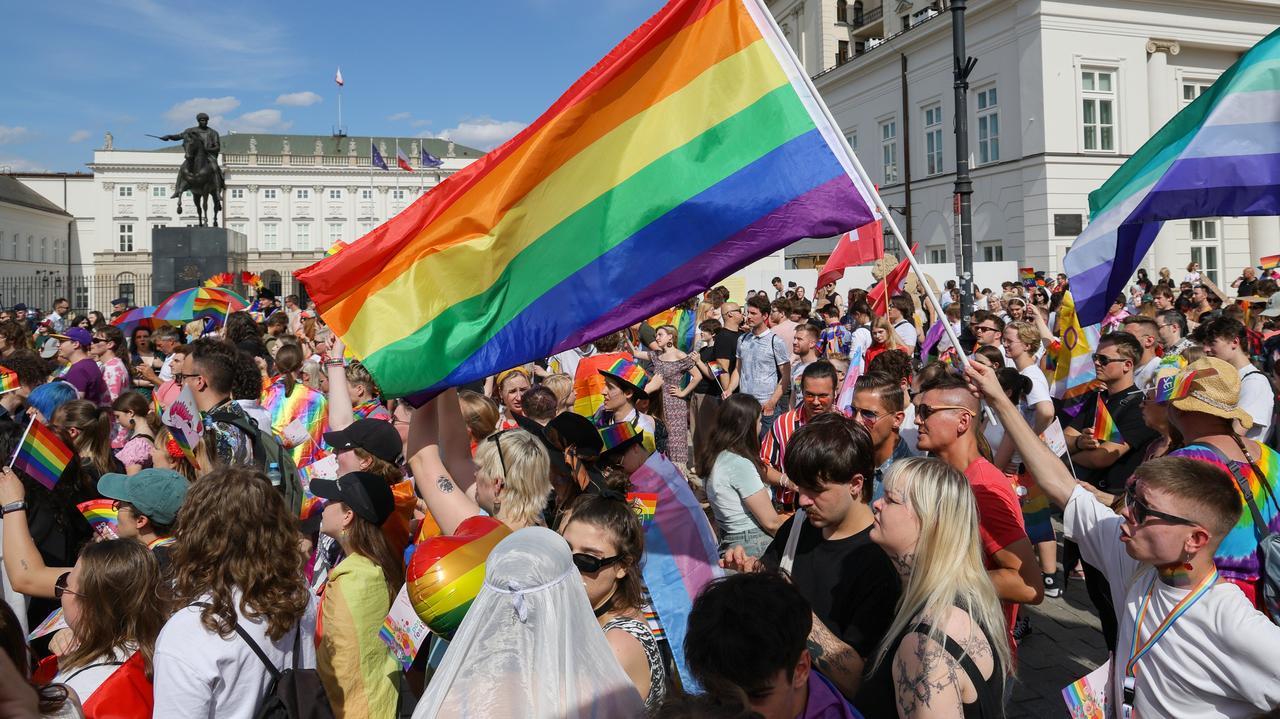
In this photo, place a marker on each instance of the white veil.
(530, 645)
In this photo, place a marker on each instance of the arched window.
(842, 11)
(127, 286)
(271, 280)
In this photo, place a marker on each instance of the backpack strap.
(1259, 524)
(958, 654)
(87, 667)
(257, 650)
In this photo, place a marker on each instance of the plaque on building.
(1068, 225)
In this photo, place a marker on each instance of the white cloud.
(184, 113)
(13, 134)
(79, 136)
(299, 99)
(266, 120)
(399, 116)
(420, 123)
(483, 133)
(18, 164)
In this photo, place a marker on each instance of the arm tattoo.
(444, 484)
(838, 661)
(25, 567)
(916, 690)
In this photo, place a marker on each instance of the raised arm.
(455, 441)
(340, 413)
(447, 504)
(25, 568)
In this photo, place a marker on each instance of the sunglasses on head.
(924, 411)
(589, 564)
(1142, 511)
(496, 438)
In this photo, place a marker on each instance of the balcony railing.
(867, 17)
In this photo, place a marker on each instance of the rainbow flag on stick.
(102, 516)
(41, 454)
(1270, 262)
(1104, 426)
(695, 147)
(8, 380)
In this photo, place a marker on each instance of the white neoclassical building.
(1064, 92)
(292, 195)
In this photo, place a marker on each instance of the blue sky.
(472, 71)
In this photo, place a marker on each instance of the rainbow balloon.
(446, 572)
(200, 302)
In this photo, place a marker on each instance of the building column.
(1162, 104)
(251, 227)
(286, 218)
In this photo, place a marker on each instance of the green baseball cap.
(156, 493)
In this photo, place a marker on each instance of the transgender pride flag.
(1220, 156)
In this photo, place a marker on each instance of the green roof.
(238, 144)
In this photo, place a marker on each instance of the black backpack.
(267, 450)
(293, 693)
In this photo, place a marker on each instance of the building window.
(937, 255)
(13, 252)
(236, 227)
(842, 52)
(335, 194)
(237, 193)
(81, 295)
(988, 127)
(303, 194)
(44, 249)
(366, 194)
(1193, 89)
(335, 232)
(852, 138)
(160, 191)
(125, 191)
(889, 150)
(302, 236)
(365, 228)
(1206, 248)
(31, 247)
(397, 194)
(933, 140)
(842, 11)
(126, 286)
(1098, 89)
(270, 236)
(126, 238)
(269, 194)
(993, 252)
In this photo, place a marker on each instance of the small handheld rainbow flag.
(102, 516)
(8, 380)
(42, 455)
(1270, 262)
(1027, 273)
(1104, 426)
(645, 504)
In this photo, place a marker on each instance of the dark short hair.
(1126, 344)
(1141, 320)
(860, 308)
(830, 449)
(821, 369)
(760, 302)
(809, 329)
(895, 364)
(278, 318)
(216, 361)
(539, 403)
(31, 370)
(776, 279)
(885, 386)
(903, 304)
(944, 380)
(744, 629)
(1225, 328)
(782, 304)
(829, 311)
(1203, 484)
(711, 325)
(1176, 318)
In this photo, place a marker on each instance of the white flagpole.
(762, 13)
(18, 449)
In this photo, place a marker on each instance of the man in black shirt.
(849, 580)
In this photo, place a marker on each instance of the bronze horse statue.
(200, 176)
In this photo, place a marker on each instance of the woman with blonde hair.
(480, 414)
(508, 390)
(236, 572)
(945, 652)
(883, 339)
(166, 453)
(562, 385)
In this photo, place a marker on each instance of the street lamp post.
(963, 65)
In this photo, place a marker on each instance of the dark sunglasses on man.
(1141, 511)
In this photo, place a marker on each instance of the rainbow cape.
(306, 406)
(695, 147)
(42, 455)
(680, 554)
(1104, 426)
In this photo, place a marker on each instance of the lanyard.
(1139, 648)
(161, 542)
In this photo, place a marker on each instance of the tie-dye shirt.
(1237, 556)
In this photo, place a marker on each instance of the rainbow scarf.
(1104, 426)
(680, 555)
(371, 408)
(304, 405)
(695, 147)
(42, 455)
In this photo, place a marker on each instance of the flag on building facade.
(1218, 157)
(701, 125)
(427, 159)
(42, 455)
(338, 78)
(852, 249)
(375, 157)
(402, 160)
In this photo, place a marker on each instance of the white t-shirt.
(1257, 398)
(86, 679)
(200, 674)
(908, 432)
(1218, 660)
(1039, 393)
(861, 338)
(166, 369)
(907, 333)
(1142, 378)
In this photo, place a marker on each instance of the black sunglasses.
(1105, 360)
(1142, 511)
(60, 586)
(589, 564)
(496, 439)
(985, 329)
(924, 411)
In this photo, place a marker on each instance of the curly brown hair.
(119, 605)
(235, 534)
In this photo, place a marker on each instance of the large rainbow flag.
(694, 147)
(1219, 156)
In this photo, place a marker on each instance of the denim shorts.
(754, 541)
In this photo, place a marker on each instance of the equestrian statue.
(200, 173)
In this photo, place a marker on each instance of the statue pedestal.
(183, 257)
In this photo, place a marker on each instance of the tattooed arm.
(22, 562)
(447, 504)
(837, 661)
(926, 680)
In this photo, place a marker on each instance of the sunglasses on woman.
(496, 439)
(60, 586)
(589, 564)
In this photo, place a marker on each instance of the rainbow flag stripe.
(447, 571)
(645, 504)
(1104, 426)
(42, 455)
(1180, 385)
(8, 380)
(685, 323)
(694, 147)
(102, 516)
(306, 406)
(1270, 262)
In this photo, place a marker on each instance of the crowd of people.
(883, 502)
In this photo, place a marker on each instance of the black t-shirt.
(706, 386)
(1126, 410)
(726, 349)
(1247, 288)
(850, 583)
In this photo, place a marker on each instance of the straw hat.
(1216, 394)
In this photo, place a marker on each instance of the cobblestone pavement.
(1065, 644)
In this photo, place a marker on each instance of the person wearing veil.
(530, 645)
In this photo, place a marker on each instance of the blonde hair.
(948, 570)
(892, 340)
(1028, 333)
(527, 479)
(479, 412)
(562, 385)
